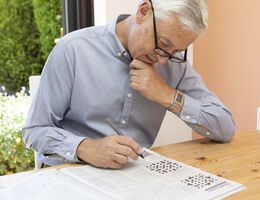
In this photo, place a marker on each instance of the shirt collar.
(118, 47)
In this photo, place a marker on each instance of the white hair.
(192, 14)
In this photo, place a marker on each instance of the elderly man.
(131, 71)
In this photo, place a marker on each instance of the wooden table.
(238, 160)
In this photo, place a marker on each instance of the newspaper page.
(51, 184)
(153, 178)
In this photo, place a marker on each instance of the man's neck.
(123, 29)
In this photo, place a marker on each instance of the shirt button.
(68, 154)
(129, 95)
(208, 133)
(119, 54)
(123, 122)
(125, 54)
(187, 117)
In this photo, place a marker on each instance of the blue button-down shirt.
(86, 79)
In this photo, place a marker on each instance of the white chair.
(34, 82)
(258, 119)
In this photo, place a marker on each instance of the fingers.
(134, 86)
(141, 76)
(135, 79)
(134, 72)
(109, 152)
(138, 64)
(129, 142)
(127, 152)
(114, 165)
(120, 159)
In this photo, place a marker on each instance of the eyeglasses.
(179, 57)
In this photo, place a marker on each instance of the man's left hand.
(145, 79)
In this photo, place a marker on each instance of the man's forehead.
(175, 34)
(168, 28)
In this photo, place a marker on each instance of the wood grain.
(238, 160)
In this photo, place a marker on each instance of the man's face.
(171, 37)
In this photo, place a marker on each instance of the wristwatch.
(177, 102)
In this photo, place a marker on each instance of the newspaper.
(153, 178)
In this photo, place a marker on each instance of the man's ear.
(144, 9)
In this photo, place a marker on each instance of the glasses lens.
(162, 53)
(178, 57)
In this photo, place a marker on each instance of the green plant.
(14, 157)
(20, 45)
(27, 32)
(48, 20)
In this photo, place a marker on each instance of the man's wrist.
(177, 102)
(166, 97)
(81, 150)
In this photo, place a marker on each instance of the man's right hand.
(109, 152)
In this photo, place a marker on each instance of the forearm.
(165, 96)
(202, 110)
(52, 143)
(209, 119)
(51, 102)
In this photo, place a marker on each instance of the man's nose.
(162, 60)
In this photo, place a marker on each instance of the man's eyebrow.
(168, 41)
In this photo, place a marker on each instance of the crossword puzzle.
(199, 181)
(164, 166)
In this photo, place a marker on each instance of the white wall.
(173, 129)
(100, 12)
(106, 11)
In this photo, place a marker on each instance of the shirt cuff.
(68, 149)
(191, 110)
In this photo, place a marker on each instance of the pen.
(111, 123)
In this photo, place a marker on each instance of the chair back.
(34, 82)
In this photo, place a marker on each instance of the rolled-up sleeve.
(42, 130)
(204, 108)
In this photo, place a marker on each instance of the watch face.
(179, 97)
(177, 103)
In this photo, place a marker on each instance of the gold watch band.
(177, 102)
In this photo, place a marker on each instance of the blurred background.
(227, 57)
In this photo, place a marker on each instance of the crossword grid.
(164, 166)
(199, 181)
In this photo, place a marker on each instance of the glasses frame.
(171, 57)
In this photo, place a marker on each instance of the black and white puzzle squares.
(199, 181)
(164, 166)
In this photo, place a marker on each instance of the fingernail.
(140, 151)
